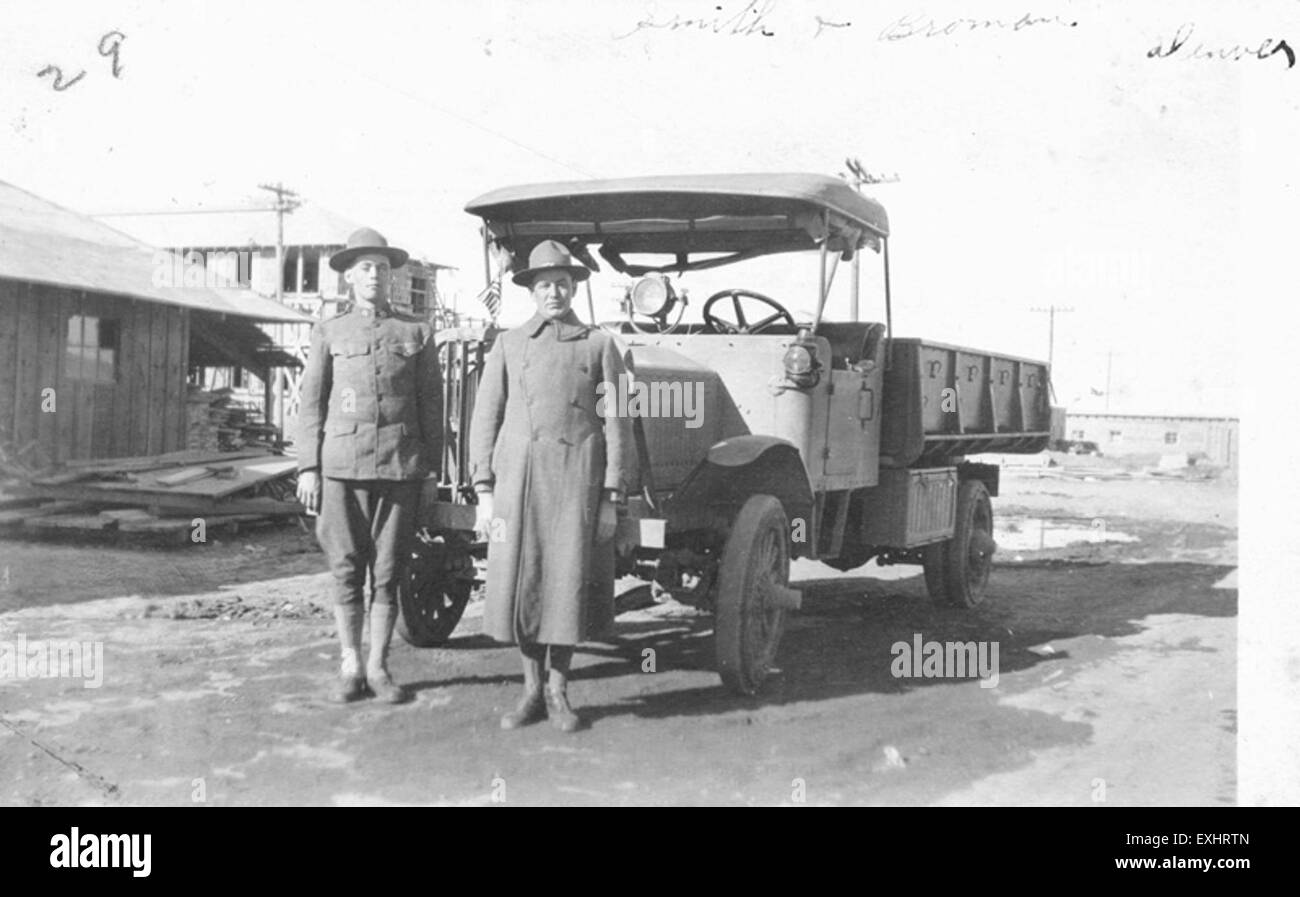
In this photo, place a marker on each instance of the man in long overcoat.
(550, 473)
(370, 432)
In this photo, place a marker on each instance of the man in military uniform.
(370, 432)
(550, 469)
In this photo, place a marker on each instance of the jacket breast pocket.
(349, 357)
(397, 373)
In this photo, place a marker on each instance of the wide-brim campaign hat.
(364, 241)
(548, 256)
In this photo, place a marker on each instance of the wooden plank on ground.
(122, 514)
(183, 476)
(19, 516)
(66, 522)
(188, 458)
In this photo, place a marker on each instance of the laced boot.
(562, 715)
(351, 685)
(531, 707)
(383, 617)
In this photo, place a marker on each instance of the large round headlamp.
(800, 363)
(653, 296)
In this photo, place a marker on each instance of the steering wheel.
(721, 325)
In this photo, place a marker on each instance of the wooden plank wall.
(143, 412)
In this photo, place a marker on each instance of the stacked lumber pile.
(219, 421)
(160, 495)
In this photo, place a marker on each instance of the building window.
(1171, 438)
(1077, 434)
(302, 269)
(310, 269)
(419, 300)
(1116, 435)
(93, 345)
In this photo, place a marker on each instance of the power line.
(141, 213)
(474, 124)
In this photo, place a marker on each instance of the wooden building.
(1213, 438)
(237, 247)
(94, 354)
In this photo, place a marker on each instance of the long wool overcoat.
(537, 441)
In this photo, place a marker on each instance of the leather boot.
(383, 617)
(351, 685)
(562, 715)
(557, 700)
(531, 707)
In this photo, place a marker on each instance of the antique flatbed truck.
(817, 439)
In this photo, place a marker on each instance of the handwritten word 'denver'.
(1266, 49)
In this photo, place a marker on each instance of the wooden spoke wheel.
(752, 594)
(957, 571)
(433, 594)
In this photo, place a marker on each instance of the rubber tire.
(973, 507)
(742, 659)
(431, 605)
(935, 564)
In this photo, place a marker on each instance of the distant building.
(242, 244)
(1214, 438)
(247, 238)
(95, 355)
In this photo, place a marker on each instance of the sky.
(1054, 163)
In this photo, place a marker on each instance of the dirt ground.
(1112, 606)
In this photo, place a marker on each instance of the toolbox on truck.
(911, 507)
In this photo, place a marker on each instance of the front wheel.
(753, 595)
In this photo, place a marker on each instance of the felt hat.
(546, 256)
(363, 241)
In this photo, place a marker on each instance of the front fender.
(736, 468)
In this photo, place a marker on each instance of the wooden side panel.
(173, 384)
(137, 366)
(11, 299)
(156, 389)
(26, 395)
(65, 424)
(49, 348)
(83, 421)
(118, 437)
(105, 395)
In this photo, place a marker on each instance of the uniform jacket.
(371, 398)
(537, 442)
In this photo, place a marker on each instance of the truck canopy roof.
(744, 215)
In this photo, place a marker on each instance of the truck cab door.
(852, 452)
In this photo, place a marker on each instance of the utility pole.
(1110, 355)
(286, 201)
(861, 176)
(1052, 311)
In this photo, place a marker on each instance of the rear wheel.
(957, 571)
(433, 594)
(753, 595)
